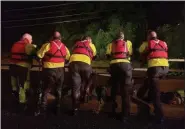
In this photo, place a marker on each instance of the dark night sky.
(158, 13)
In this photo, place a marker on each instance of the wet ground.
(85, 120)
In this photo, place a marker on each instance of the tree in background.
(104, 31)
(172, 35)
(101, 37)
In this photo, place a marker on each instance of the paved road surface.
(86, 120)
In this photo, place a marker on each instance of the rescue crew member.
(155, 52)
(53, 54)
(80, 69)
(121, 72)
(21, 61)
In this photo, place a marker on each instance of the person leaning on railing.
(80, 70)
(21, 60)
(119, 51)
(155, 53)
(54, 55)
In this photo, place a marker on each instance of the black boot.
(75, 112)
(127, 124)
(84, 99)
(157, 124)
(124, 119)
(76, 105)
(15, 106)
(41, 105)
(58, 109)
(159, 121)
(113, 112)
(22, 108)
(60, 96)
(58, 105)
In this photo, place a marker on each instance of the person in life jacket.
(54, 55)
(119, 51)
(21, 61)
(80, 70)
(156, 54)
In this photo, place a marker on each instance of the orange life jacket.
(120, 49)
(18, 53)
(57, 52)
(157, 49)
(83, 47)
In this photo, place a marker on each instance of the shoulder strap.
(58, 49)
(87, 48)
(84, 46)
(124, 42)
(158, 43)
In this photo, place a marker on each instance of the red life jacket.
(83, 47)
(120, 49)
(57, 52)
(157, 49)
(18, 53)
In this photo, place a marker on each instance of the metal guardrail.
(176, 60)
(36, 67)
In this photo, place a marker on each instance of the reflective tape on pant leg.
(27, 82)
(22, 95)
(27, 85)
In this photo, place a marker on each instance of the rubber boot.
(84, 98)
(54, 109)
(113, 112)
(76, 106)
(15, 106)
(75, 112)
(58, 106)
(42, 105)
(22, 108)
(157, 124)
(127, 124)
(76, 96)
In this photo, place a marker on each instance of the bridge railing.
(103, 70)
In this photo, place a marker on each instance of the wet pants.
(53, 79)
(151, 84)
(80, 75)
(20, 77)
(121, 76)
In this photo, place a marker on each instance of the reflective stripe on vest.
(52, 57)
(58, 49)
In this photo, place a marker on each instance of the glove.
(94, 57)
(93, 72)
(108, 56)
(66, 61)
(37, 58)
(108, 70)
